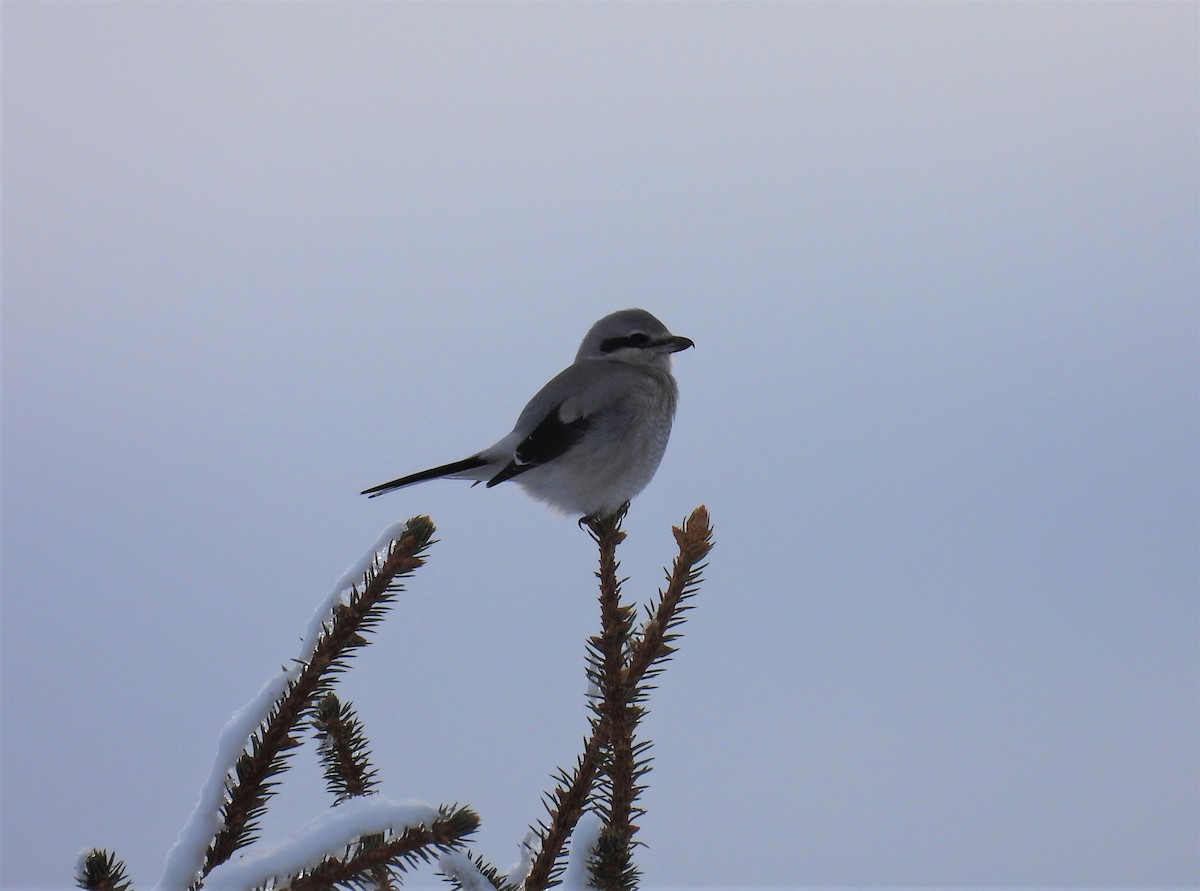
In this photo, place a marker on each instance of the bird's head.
(632, 336)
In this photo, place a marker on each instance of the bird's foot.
(596, 522)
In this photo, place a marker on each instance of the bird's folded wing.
(547, 441)
(561, 413)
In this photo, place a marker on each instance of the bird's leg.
(592, 521)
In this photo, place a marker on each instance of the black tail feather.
(430, 474)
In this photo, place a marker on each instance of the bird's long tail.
(431, 474)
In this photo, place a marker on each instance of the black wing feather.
(548, 440)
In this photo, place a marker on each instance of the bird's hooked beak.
(674, 344)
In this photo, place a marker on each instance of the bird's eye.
(637, 339)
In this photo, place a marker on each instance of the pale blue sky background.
(940, 263)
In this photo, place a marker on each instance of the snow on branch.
(234, 796)
(302, 860)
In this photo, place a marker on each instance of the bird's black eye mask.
(636, 340)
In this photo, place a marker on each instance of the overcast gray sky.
(940, 264)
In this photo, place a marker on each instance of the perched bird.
(593, 437)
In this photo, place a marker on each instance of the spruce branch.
(606, 778)
(100, 870)
(341, 635)
(472, 874)
(395, 854)
(610, 751)
(564, 805)
(656, 637)
(612, 866)
(343, 749)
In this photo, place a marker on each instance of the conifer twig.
(270, 745)
(343, 749)
(644, 653)
(398, 853)
(606, 774)
(467, 874)
(612, 866)
(694, 539)
(564, 805)
(100, 870)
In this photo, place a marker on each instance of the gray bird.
(592, 438)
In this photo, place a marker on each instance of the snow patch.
(580, 849)
(458, 866)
